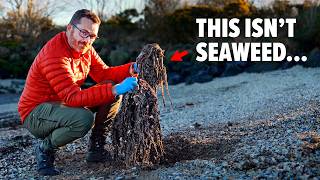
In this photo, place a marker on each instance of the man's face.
(82, 35)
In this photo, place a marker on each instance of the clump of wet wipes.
(136, 132)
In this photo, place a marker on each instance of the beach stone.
(175, 78)
(231, 69)
(260, 67)
(313, 59)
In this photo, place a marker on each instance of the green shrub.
(308, 33)
(117, 57)
(11, 44)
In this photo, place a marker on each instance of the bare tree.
(217, 3)
(102, 8)
(161, 7)
(98, 6)
(26, 18)
(107, 8)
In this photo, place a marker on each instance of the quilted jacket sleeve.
(60, 77)
(99, 71)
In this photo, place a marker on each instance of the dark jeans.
(59, 125)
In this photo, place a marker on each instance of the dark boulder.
(259, 67)
(313, 59)
(233, 68)
(175, 78)
(201, 76)
(215, 70)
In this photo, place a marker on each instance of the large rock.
(201, 76)
(8, 86)
(186, 68)
(233, 68)
(287, 65)
(215, 70)
(313, 59)
(198, 72)
(259, 67)
(174, 78)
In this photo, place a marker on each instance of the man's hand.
(126, 85)
(134, 69)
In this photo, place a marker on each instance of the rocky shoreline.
(251, 126)
(284, 146)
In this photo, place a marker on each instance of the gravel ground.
(243, 97)
(250, 126)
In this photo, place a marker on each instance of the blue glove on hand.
(136, 68)
(126, 85)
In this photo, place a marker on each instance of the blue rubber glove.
(126, 85)
(136, 68)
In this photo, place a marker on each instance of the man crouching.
(55, 109)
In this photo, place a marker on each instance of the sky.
(64, 9)
(64, 17)
(113, 7)
(68, 7)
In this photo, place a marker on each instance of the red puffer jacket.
(58, 72)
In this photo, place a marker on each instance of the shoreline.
(243, 127)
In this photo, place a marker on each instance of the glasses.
(84, 33)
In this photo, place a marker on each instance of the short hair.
(84, 13)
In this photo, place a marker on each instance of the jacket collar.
(73, 53)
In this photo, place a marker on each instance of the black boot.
(45, 161)
(96, 150)
(103, 122)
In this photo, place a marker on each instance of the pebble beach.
(249, 126)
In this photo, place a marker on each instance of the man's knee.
(85, 122)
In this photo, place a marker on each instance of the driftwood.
(136, 131)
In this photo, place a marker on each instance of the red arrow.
(177, 56)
